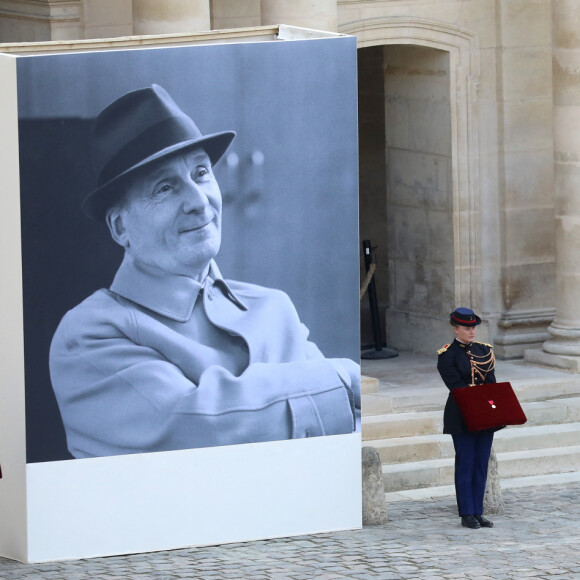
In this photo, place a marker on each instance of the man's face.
(465, 334)
(172, 215)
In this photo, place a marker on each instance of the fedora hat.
(464, 317)
(135, 130)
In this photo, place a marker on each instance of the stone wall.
(502, 172)
(234, 14)
(419, 197)
(154, 17)
(499, 152)
(107, 18)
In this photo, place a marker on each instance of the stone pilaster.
(317, 14)
(562, 349)
(155, 17)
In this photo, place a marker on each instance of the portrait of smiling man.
(170, 216)
(171, 355)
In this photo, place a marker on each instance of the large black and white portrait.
(189, 247)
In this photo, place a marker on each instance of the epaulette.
(485, 344)
(442, 350)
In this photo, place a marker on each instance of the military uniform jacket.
(454, 366)
(159, 362)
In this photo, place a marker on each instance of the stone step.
(537, 437)
(414, 400)
(368, 385)
(505, 483)
(439, 446)
(437, 472)
(401, 425)
(546, 389)
(386, 426)
(403, 420)
(401, 400)
(413, 449)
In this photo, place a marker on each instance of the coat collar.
(167, 294)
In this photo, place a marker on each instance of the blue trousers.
(472, 452)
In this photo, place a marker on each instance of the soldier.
(463, 363)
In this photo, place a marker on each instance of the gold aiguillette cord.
(481, 365)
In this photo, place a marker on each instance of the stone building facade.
(469, 120)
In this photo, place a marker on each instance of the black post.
(369, 255)
(379, 352)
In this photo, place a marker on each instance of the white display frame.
(13, 499)
(154, 501)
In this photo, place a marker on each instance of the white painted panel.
(155, 501)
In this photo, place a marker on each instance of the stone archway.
(461, 46)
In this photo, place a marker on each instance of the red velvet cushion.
(488, 406)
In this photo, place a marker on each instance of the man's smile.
(195, 228)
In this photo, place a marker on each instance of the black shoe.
(483, 522)
(470, 522)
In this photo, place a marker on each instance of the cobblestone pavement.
(538, 536)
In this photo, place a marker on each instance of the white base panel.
(158, 501)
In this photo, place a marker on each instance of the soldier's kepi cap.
(464, 317)
(138, 128)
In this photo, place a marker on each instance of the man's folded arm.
(119, 397)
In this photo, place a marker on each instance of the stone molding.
(463, 48)
(526, 319)
(46, 11)
(521, 330)
(40, 20)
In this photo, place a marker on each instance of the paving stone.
(536, 537)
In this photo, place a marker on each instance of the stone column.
(562, 349)
(155, 17)
(317, 14)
